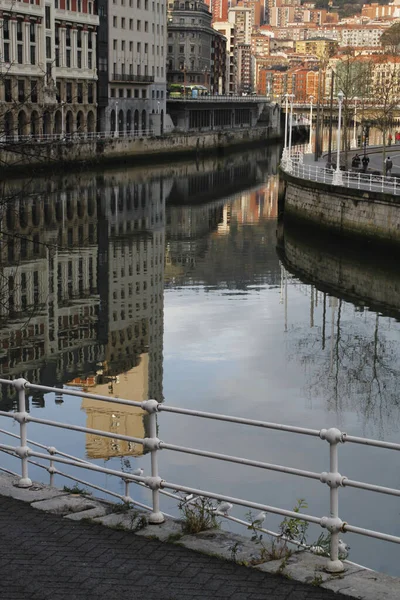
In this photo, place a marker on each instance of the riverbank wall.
(348, 212)
(354, 272)
(44, 155)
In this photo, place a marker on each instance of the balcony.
(133, 78)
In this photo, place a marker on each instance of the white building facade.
(131, 64)
(48, 65)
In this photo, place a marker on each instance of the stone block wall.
(347, 211)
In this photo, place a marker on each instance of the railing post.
(152, 443)
(334, 480)
(22, 451)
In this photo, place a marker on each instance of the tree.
(353, 75)
(384, 95)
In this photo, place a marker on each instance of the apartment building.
(190, 37)
(131, 66)
(48, 61)
(228, 31)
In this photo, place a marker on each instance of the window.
(146, 26)
(19, 54)
(114, 44)
(129, 93)
(79, 59)
(32, 32)
(114, 21)
(21, 90)
(7, 90)
(139, 25)
(90, 61)
(130, 46)
(48, 47)
(68, 37)
(121, 93)
(138, 47)
(32, 53)
(112, 92)
(123, 45)
(6, 29)
(146, 46)
(68, 89)
(170, 49)
(6, 52)
(79, 38)
(146, 4)
(90, 93)
(68, 57)
(138, 2)
(136, 93)
(19, 31)
(80, 93)
(144, 93)
(181, 49)
(47, 17)
(131, 24)
(123, 22)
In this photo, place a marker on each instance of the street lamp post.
(285, 149)
(289, 158)
(62, 120)
(310, 138)
(355, 124)
(338, 176)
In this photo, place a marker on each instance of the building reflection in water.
(230, 241)
(131, 280)
(82, 275)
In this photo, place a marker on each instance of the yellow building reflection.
(114, 418)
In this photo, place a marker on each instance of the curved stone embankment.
(349, 212)
(353, 272)
(129, 150)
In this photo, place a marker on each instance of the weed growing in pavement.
(76, 490)
(198, 515)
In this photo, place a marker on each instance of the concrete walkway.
(43, 556)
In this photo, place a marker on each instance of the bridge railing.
(218, 98)
(50, 458)
(374, 182)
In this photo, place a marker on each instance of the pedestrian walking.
(388, 166)
(365, 163)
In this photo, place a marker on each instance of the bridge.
(206, 113)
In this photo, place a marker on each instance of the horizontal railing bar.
(239, 420)
(7, 447)
(371, 442)
(241, 461)
(89, 466)
(71, 392)
(371, 487)
(370, 533)
(107, 434)
(241, 502)
(3, 413)
(44, 447)
(8, 471)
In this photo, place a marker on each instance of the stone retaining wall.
(128, 149)
(346, 211)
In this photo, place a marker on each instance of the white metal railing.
(220, 98)
(294, 165)
(74, 137)
(158, 486)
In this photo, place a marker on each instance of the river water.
(177, 283)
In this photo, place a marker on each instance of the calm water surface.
(177, 283)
